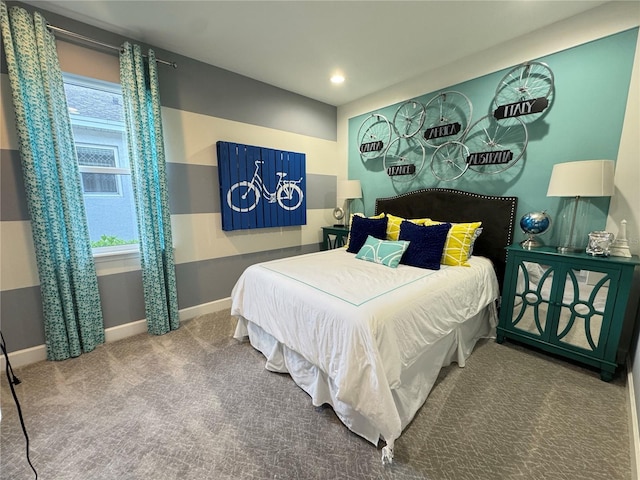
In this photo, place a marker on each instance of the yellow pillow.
(393, 225)
(380, 215)
(459, 238)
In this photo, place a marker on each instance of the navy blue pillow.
(362, 227)
(425, 244)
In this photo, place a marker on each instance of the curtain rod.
(96, 42)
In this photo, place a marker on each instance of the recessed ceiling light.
(337, 78)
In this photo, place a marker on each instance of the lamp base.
(569, 249)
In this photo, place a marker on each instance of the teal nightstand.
(334, 237)
(570, 304)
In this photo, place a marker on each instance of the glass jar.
(599, 243)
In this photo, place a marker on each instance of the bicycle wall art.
(260, 187)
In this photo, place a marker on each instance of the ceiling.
(298, 45)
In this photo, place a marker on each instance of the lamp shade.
(349, 189)
(587, 178)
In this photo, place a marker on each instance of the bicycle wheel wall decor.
(456, 142)
(260, 187)
(495, 146)
(448, 116)
(374, 136)
(449, 161)
(408, 118)
(525, 92)
(404, 159)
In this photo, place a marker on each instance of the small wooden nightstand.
(334, 237)
(570, 304)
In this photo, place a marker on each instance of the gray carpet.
(197, 404)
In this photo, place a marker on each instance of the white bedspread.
(360, 323)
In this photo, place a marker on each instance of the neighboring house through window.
(97, 120)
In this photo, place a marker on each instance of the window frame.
(116, 252)
(117, 170)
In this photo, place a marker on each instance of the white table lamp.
(588, 178)
(348, 190)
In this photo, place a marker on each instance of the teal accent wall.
(583, 122)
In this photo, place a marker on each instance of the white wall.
(625, 205)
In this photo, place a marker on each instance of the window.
(97, 121)
(98, 169)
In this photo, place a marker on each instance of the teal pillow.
(384, 252)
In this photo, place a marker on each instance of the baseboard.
(204, 308)
(24, 357)
(634, 434)
(38, 353)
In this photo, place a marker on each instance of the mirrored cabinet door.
(582, 309)
(532, 298)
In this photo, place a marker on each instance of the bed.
(370, 340)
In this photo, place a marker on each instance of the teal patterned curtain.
(73, 321)
(140, 92)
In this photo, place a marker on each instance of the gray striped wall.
(194, 87)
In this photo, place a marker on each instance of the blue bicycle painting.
(244, 196)
(260, 187)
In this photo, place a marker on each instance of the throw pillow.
(381, 215)
(362, 227)
(425, 244)
(458, 244)
(383, 252)
(393, 226)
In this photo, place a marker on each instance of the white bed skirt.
(417, 379)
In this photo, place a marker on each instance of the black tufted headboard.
(497, 215)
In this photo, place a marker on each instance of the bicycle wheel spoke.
(524, 78)
(455, 165)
